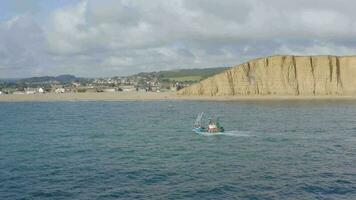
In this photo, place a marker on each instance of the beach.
(151, 96)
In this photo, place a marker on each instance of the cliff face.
(282, 75)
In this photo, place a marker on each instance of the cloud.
(21, 46)
(111, 37)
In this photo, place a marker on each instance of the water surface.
(146, 150)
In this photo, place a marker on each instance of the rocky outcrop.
(281, 76)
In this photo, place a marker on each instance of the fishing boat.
(213, 127)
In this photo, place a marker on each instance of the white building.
(0, 93)
(59, 90)
(76, 84)
(30, 92)
(128, 88)
(40, 90)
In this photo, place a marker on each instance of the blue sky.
(37, 8)
(100, 38)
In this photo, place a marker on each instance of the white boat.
(213, 127)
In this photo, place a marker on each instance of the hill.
(183, 75)
(42, 81)
(61, 79)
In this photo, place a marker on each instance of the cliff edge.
(282, 76)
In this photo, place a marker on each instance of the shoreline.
(152, 96)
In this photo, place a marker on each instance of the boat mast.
(198, 120)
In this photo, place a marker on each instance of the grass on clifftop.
(190, 75)
(186, 78)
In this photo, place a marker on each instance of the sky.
(104, 38)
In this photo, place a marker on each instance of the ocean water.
(146, 150)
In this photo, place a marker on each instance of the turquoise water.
(146, 150)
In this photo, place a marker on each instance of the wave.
(237, 133)
(233, 133)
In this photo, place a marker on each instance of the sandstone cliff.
(283, 75)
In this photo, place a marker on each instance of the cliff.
(281, 76)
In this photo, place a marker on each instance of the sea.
(302, 149)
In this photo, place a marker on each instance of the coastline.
(152, 96)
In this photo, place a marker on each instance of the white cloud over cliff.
(110, 37)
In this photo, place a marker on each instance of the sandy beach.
(152, 96)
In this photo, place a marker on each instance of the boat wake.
(237, 133)
(233, 133)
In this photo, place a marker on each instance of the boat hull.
(201, 131)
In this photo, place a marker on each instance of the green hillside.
(189, 75)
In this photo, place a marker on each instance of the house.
(30, 92)
(153, 88)
(128, 88)
(76, 84)
(40, 90)
(59, 90)
(0, 93)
